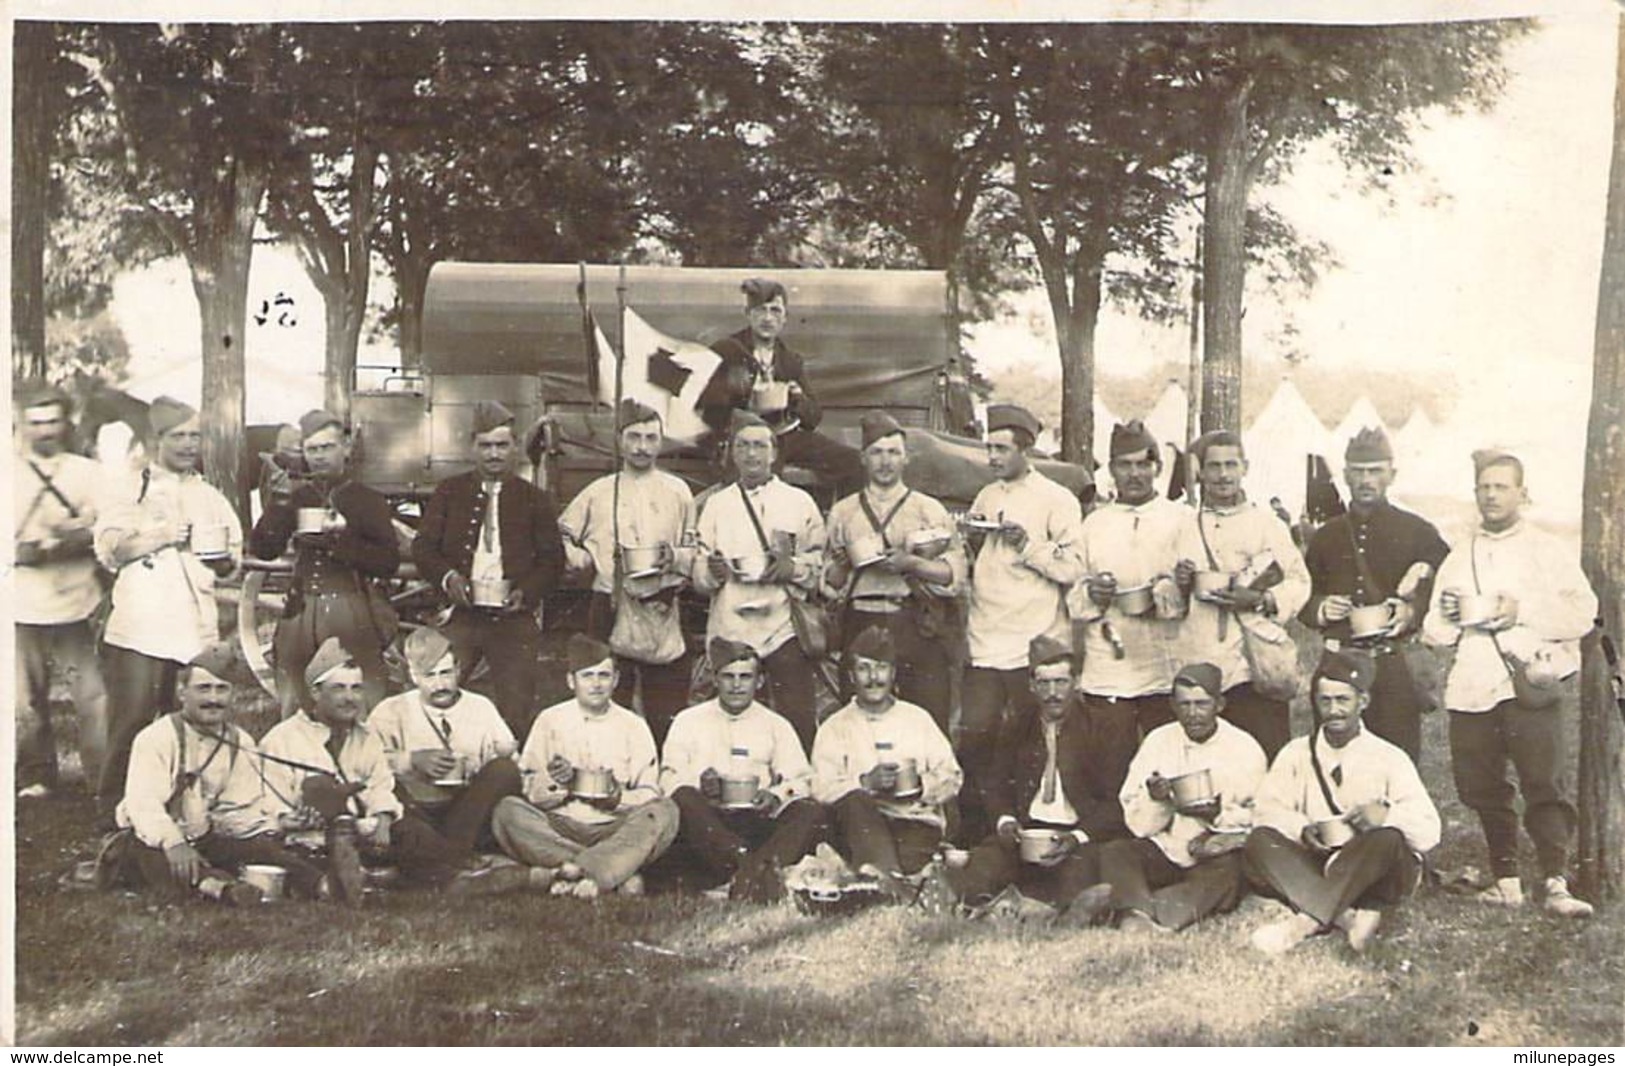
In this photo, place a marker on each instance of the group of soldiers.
(1121, 750)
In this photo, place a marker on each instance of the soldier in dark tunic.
(757, 355)
(491, 525)
(333, 594)
(1376, 553)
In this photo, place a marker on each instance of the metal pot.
(1135, 601)
(1335, 832)
(1194, 787)
(1208, 582)
(770, 397)
(738, 792)
(270, 880)
(750, 568)
(491, 592)
(311, 519)
(595, 783)
(1036, 843)
(643, 559)
(1372, 619)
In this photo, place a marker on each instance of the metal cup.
(491, 592)
(1194, 787)
(1035, 844)
(458, 774)
(270, 880)
(1476, 608)
(1371, 620)
(908, 779)
(739, 791)
(209, 540)
(311, 519)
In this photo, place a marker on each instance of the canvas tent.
(1279, 442)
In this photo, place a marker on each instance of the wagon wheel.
(259, 606)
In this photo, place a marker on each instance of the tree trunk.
(1602, 550)
(219, 257)
(347, 300)
(30, 184)
(1224, 257)
(411, 278)
(1075, 305)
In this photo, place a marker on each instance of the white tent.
(274, 393)
(1167, 418)
(1363, 415)
(1278, 443)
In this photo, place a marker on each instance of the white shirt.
(1230, 755)
(1244, 540)
(754, 742)
(1135, 543)
(226, 796)
(1556, 607)
(1058, 811)
(616, 740)
(757, 614)
(655, 508)
(917, 513)
(1369, 767)
(851, 742)
(487, 562)
(303, 739)
(163, 603)
(1016, 596)
(57, 592)
(471, 727)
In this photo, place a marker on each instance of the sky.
(1484, 264)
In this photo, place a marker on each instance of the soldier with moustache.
(334, 570)
(1376, 553)
(490, 525)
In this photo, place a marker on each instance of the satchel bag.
(1532, 694)
(812, 623)
(1272, 655)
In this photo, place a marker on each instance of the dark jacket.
(532, 554)
(729, 387)
(1018, 772)
(1391, 540)
(365, 547)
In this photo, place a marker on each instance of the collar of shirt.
(772, 479)
(159, 472)
(887, 497)
(1241, 504)
(1136, 508)
(1510, 531)
(491, 488)
(870, 716)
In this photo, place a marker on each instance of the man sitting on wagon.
(592, 815)
(741, 782)
(1186, 863)
(324, 769)
(193, 799)
(451, 752)
(336, 559)
(1049, 783)
(1342, 819)
(759, 372)
(885, 770)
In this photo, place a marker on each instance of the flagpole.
(587, 333)
(615, 428)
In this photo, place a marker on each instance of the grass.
(412, 968)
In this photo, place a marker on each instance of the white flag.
(666, 373)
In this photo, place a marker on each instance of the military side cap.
(425, 646)
(37, 392)
(1043, 650)
(1009, 416)
(742, 419)
(313, 422)
(1490, 457)
(1204, 676)
(1131, 437)
(873, 643)
(878, 424)
(722, 651)
(331, 656)
(489, 415)
(222, 660)
(759, 291)
(1349, 667)
(1369, 445)
(585, 651)
(166, 412)
(632, 412)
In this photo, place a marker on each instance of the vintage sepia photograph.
(817, 527)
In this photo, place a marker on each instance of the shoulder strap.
(757, 522)
(1201, 530)
(50, 486)
(1472, 558)
(879, 524)
(1320, 772)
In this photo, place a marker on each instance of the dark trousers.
(1481, 745)
(665, 685)
(835, 464)
(509, 644)
(718, 843)
(1374, 870)
(1120, 723)
(1145, 880)
(71, 648)
(1265, 720)
(1395, 713)
(922, 662)
(987, 698)
(423, 853)
(226, 857)
(792, 690)
(465, 822)
(890, 845)
(996, 864)
(140, 688)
